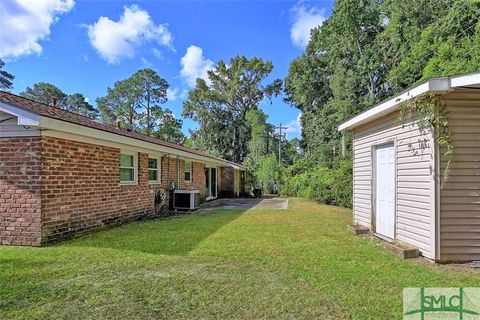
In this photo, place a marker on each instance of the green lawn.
(296, 264)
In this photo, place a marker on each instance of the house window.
(128, 168)
(188, 171)
(154, 170)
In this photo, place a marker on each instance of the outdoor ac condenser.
(186, 199)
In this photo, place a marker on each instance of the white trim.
(90, 140)
(437, 85)
(15, 134)
(209, 188)
(159, 169)
(373, 183)
(465, 80)
(63, 127)
(191, 170)
(383, 108)
(135, 167)
(25, 118)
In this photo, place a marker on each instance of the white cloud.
(195, 65)
(304, 20)
(146, 63)
(118, 39)
(294, 126)
(157, 53)
(184, 94)
(172, 94)
(24, 23)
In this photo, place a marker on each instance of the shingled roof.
(48, 111)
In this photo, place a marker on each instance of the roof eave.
(436, 85)
(47, 123)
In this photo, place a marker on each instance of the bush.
(323, 184)
(268, 173)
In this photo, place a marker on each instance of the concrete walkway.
(246, 203)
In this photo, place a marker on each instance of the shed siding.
(460, 193)
(414, 176)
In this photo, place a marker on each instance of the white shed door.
(385, 190)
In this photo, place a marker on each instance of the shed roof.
(48, 111)
(434, 85)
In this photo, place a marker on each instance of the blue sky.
(85, 46)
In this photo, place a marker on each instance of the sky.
(85, 46)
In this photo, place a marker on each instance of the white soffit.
(25, 118)
(432, 85)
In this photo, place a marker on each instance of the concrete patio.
(246, 203)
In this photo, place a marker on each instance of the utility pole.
(280, 128)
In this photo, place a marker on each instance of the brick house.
(62, 174)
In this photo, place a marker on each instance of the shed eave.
(435, 85)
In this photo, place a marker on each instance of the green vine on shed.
(431, 113)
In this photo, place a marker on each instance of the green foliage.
(291, 151)
(77, 103)
(168, 127)
(319, 183)
(251, 166)
(369, 50)
(136, 103)
(364, 52)
(6, 79)
(118, 105)
(448, 44)
(430, 114)
(260, 132)
(338, 75)
(220, 107)
(44, 92)
(268, 173)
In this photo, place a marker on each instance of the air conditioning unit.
(184, 199)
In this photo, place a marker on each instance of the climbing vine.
(431, 113)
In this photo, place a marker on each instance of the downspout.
(168, 172)
(177, 169)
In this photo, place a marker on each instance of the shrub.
(268, 173)
(323, 184)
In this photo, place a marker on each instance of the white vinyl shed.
(401, 195)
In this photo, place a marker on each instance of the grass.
(301, 263)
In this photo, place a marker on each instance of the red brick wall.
(81, 189)
(169, 174)
(20, 207)
(52, 188)
(198, 178)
